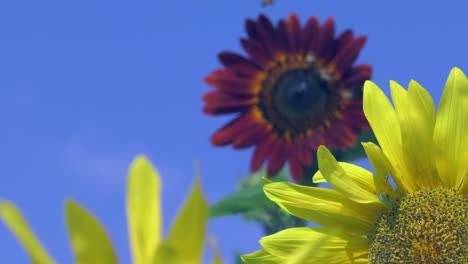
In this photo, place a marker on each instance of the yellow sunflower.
(420, 215)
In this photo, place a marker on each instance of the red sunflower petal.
(267, 32)
(347, 55)
(357, 75)
(314, 141)
(278, 156)
(311, 35)
(294, 33)
(341, 135)
(344, 39)
(282, 37)
(348, 134)
(251, 28)
(355, 104)
(327, 43)
(251, 136)
(297, 171)
(257, 52)
(261, 152)
(228, 133)
(221, 103)
(238, 64)
(354, 117)
(319, 139)
(228, 82)
(303, 152)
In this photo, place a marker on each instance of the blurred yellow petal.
(165, 253)
(324, 206)
(143, 209)
(261, 256)
(18, 225)
(216, 259)
(450, 132)
(89, 240)
(379, 162)
(333, 247)
(386, 126)
(356, 183)
(188, 230)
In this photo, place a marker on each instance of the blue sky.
(87, 85)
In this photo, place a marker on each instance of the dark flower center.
(299, 95)
(297, 99)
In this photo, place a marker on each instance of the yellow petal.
(261, 256)
(308, 252)
(450, 132)
(464, 183)
(416, 112)
(15, 221)
(400, 100)
(324, 206)
(318, 178)
(380, 163)
(333, 247)
(419, 132)
(399, 96)
(143, 209)
(188, 230)
(386, 126)
(355, 183)
(89, 240)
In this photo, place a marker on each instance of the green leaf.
(143, 210)
(89, 240)
(17, 224)
(240, 202)
(188, 230)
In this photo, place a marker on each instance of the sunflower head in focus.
(421, 218)
(298, 88)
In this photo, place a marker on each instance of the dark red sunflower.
(296, 90)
